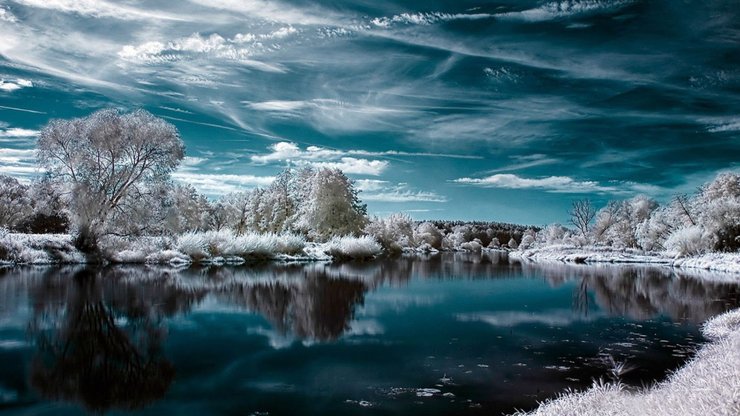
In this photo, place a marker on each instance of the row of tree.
(707, 221)
(110, 174)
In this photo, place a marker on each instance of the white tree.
(717, 210)
(618, 222)
(331, 207)
(15, 203)
(187, 210)
(393, 232)
(428, 233)
(112, 162)
(553, 234)
(237, 212)
(279, 204)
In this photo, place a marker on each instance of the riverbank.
(709, 384)
(718, 262)
(212, 247)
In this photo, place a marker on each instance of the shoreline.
(713, 262)
(708, 384)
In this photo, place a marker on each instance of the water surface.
(447, 334)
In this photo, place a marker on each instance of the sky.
(473, 110)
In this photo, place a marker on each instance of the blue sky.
(489, 110)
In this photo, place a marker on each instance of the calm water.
(449, 334)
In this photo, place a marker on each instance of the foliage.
(115, 166)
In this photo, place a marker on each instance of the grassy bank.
(212, 247)
(707, 385)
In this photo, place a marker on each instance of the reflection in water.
(99, 337)
(314, 307)
(99, 333)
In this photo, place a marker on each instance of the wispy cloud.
(99, 8)
(385, 191)
(288, 151)
(241, 48)
(565, 9)
(526, 162)
(220, 184)
(560, 184)
(18, 162)
(15, 132)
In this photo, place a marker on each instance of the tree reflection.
(99, 337)
(314, 306)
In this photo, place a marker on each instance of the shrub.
(689, 241)
(349, 247)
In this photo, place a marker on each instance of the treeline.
(109, 174)
(399, 232)
(707, 221)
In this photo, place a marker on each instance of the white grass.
(38, 249)
(708, 385)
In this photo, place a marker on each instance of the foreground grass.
(708, 385)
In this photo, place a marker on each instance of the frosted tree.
(617, 223)
(187, 210)
(718, 211)
(332, 207)
(553, 234)
(15, 202)
(528, 239)
(428, 233)
(236, 206)
(582, 212)
(279, 205)
(393, 232)
(111, 162)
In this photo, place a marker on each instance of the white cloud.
(320, 157)
(219, 184)
(15, 132)
(18, 162)
(565, 9)
(725, 127)
(98, 8)
(562, 184)
(7, 16)
(277, 105)
(384, 191)
(14, 85)
(425, 18)
(288, 151)
(404, 196)
(328, 114)
(272, 11)
(211, 46)
(351, 165)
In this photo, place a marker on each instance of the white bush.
(193, 244)
(349, 247)
(689, 241)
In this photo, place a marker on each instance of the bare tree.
(582, 212)
(110, 161)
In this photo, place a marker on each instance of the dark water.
(450, 334)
